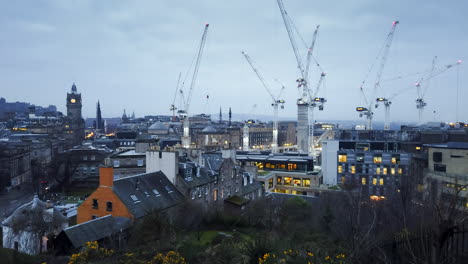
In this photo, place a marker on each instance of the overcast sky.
(128, 54)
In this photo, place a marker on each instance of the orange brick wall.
(103, 194)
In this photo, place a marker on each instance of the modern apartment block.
(375, 167)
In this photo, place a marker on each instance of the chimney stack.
(106, 176)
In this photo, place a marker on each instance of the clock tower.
(74, 123)
(74, 104)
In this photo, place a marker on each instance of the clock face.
(72, 100)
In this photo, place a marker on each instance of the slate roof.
(95, 229)
(250, 188)
(205, 176)
(147, 192)
(158, 126)
(213, 161)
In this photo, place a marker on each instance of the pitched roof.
(34, 214)
(209, 129)
(193, 180)
(158, 126)
(214, 161)
(95, 229)
(147, 192)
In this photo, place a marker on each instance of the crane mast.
(368, 112)
(276, 102)
(186, 141)
(173, 107)
(315, 102)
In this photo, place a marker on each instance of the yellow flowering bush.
(91, 251)
(172, 257)
(296, 256)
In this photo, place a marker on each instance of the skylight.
(134, 198)
(156, 192)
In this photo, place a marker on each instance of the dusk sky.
(128, 54)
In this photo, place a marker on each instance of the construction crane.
(173, 107)
(277, 102)
(420, 103)
(183, 113)
(304, 137)
(314, 102)
(368, 111)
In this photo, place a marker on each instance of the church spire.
(230, 116)
(99, 123)
(124, 117)
(220, 116)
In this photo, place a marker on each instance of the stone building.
(15, 164)
(127, 163)
(209, 179)
(30, 228)
(85, 161)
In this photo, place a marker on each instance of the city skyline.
(129, 56)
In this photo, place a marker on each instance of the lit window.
(363, 181)
(353, 169)
(340, 169)
(381, 181)
(215, 194)
(377, 159)
(306, 182)
(342, 158)
(377, 170)
(392, 171)
(400, 170)
(297, 182)
(385, 171)
(374, 181)
(287, 180)
(279, 180)
(343, 179)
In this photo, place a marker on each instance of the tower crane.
(420, 103)
(183, 113)
(173, 107)
(368, 111)
(276, 103)
(304, 138)
(315, 102)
